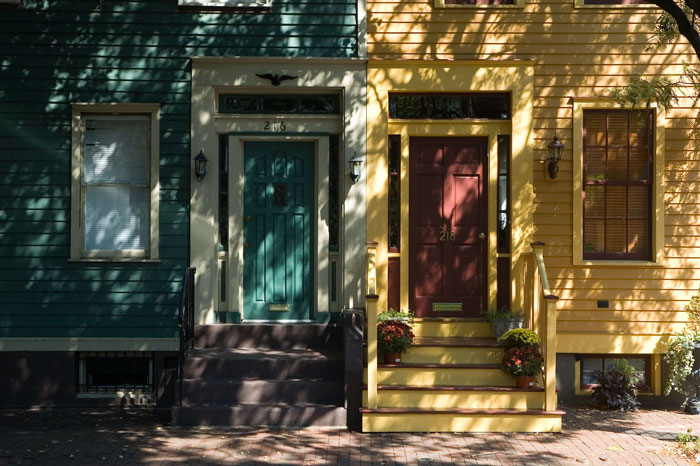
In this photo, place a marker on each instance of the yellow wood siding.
(577, 52)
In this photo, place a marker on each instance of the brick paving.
(143, 436)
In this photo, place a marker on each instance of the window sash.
(116, 185)
(610, 230)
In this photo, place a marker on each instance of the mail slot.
(278, 307)
(447, 307)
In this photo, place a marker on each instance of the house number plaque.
(276, 126)
(447, 235)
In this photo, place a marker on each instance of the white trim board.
(89, 344)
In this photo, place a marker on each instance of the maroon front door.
(447, 226)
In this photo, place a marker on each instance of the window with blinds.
(116, 183)
(617, 184)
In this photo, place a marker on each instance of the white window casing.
(114, 188)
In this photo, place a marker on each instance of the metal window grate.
(111, 372)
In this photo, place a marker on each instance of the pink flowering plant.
(394, 336)
(522, 361)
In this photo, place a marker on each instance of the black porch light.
(555, 148)
(355, 168)
(200, 166)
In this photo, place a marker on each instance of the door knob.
(246, 245)
(247, 218)
(482, 235)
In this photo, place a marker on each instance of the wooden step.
(459, 420)
(442, 374)
(457, 396)
(453, 350)
(451, 327)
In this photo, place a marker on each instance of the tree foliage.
(679, 18)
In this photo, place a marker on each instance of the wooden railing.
(540, 308)
(371, 303)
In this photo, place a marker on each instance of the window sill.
(645, 6)
(616, 263)
(225, 5)
(479, 7)
(116, 259)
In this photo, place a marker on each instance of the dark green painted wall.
(53, 53)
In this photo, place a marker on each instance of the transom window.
(617, 184)
(440, 106)
(280, 104)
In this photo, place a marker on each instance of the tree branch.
(684, 25)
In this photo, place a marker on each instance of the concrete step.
(248, 363)
(456, 397)
(269, 336)
(451, 327)
(268, 415)
(442, 374)
(459, 420)
(289, 391)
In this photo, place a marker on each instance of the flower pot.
(501, 326)
(392, 358)
(525, 381)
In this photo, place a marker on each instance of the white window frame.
(81, 111)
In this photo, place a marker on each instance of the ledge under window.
(226, 5)
(479, 4)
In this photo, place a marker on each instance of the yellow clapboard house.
(465, 102)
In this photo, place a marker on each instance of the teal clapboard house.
(105, 106)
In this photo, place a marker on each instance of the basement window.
(117, 372)
(596, 362)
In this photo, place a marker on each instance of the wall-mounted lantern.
(200, 166)
(355, 168)
(555, 148)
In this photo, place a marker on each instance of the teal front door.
(278, 230)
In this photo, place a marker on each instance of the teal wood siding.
(54, 53)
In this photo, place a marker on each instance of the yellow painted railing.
(371, 302)
(540, 309)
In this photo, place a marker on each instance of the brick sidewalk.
(62, 437)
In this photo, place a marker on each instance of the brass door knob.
(482, 235)
(247, 218)
(246, 245)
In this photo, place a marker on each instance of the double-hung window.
(115, 182)
(618, 161)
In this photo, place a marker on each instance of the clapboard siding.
(55, 53)
(578, 52)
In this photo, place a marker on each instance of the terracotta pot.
(392, 358)
(525, 381)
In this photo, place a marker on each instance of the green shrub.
(617, 386)
(687, 436)
(395, 315)
(519, 338)
(503, 314)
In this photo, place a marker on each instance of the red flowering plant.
(526, 360)
(394, 336)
